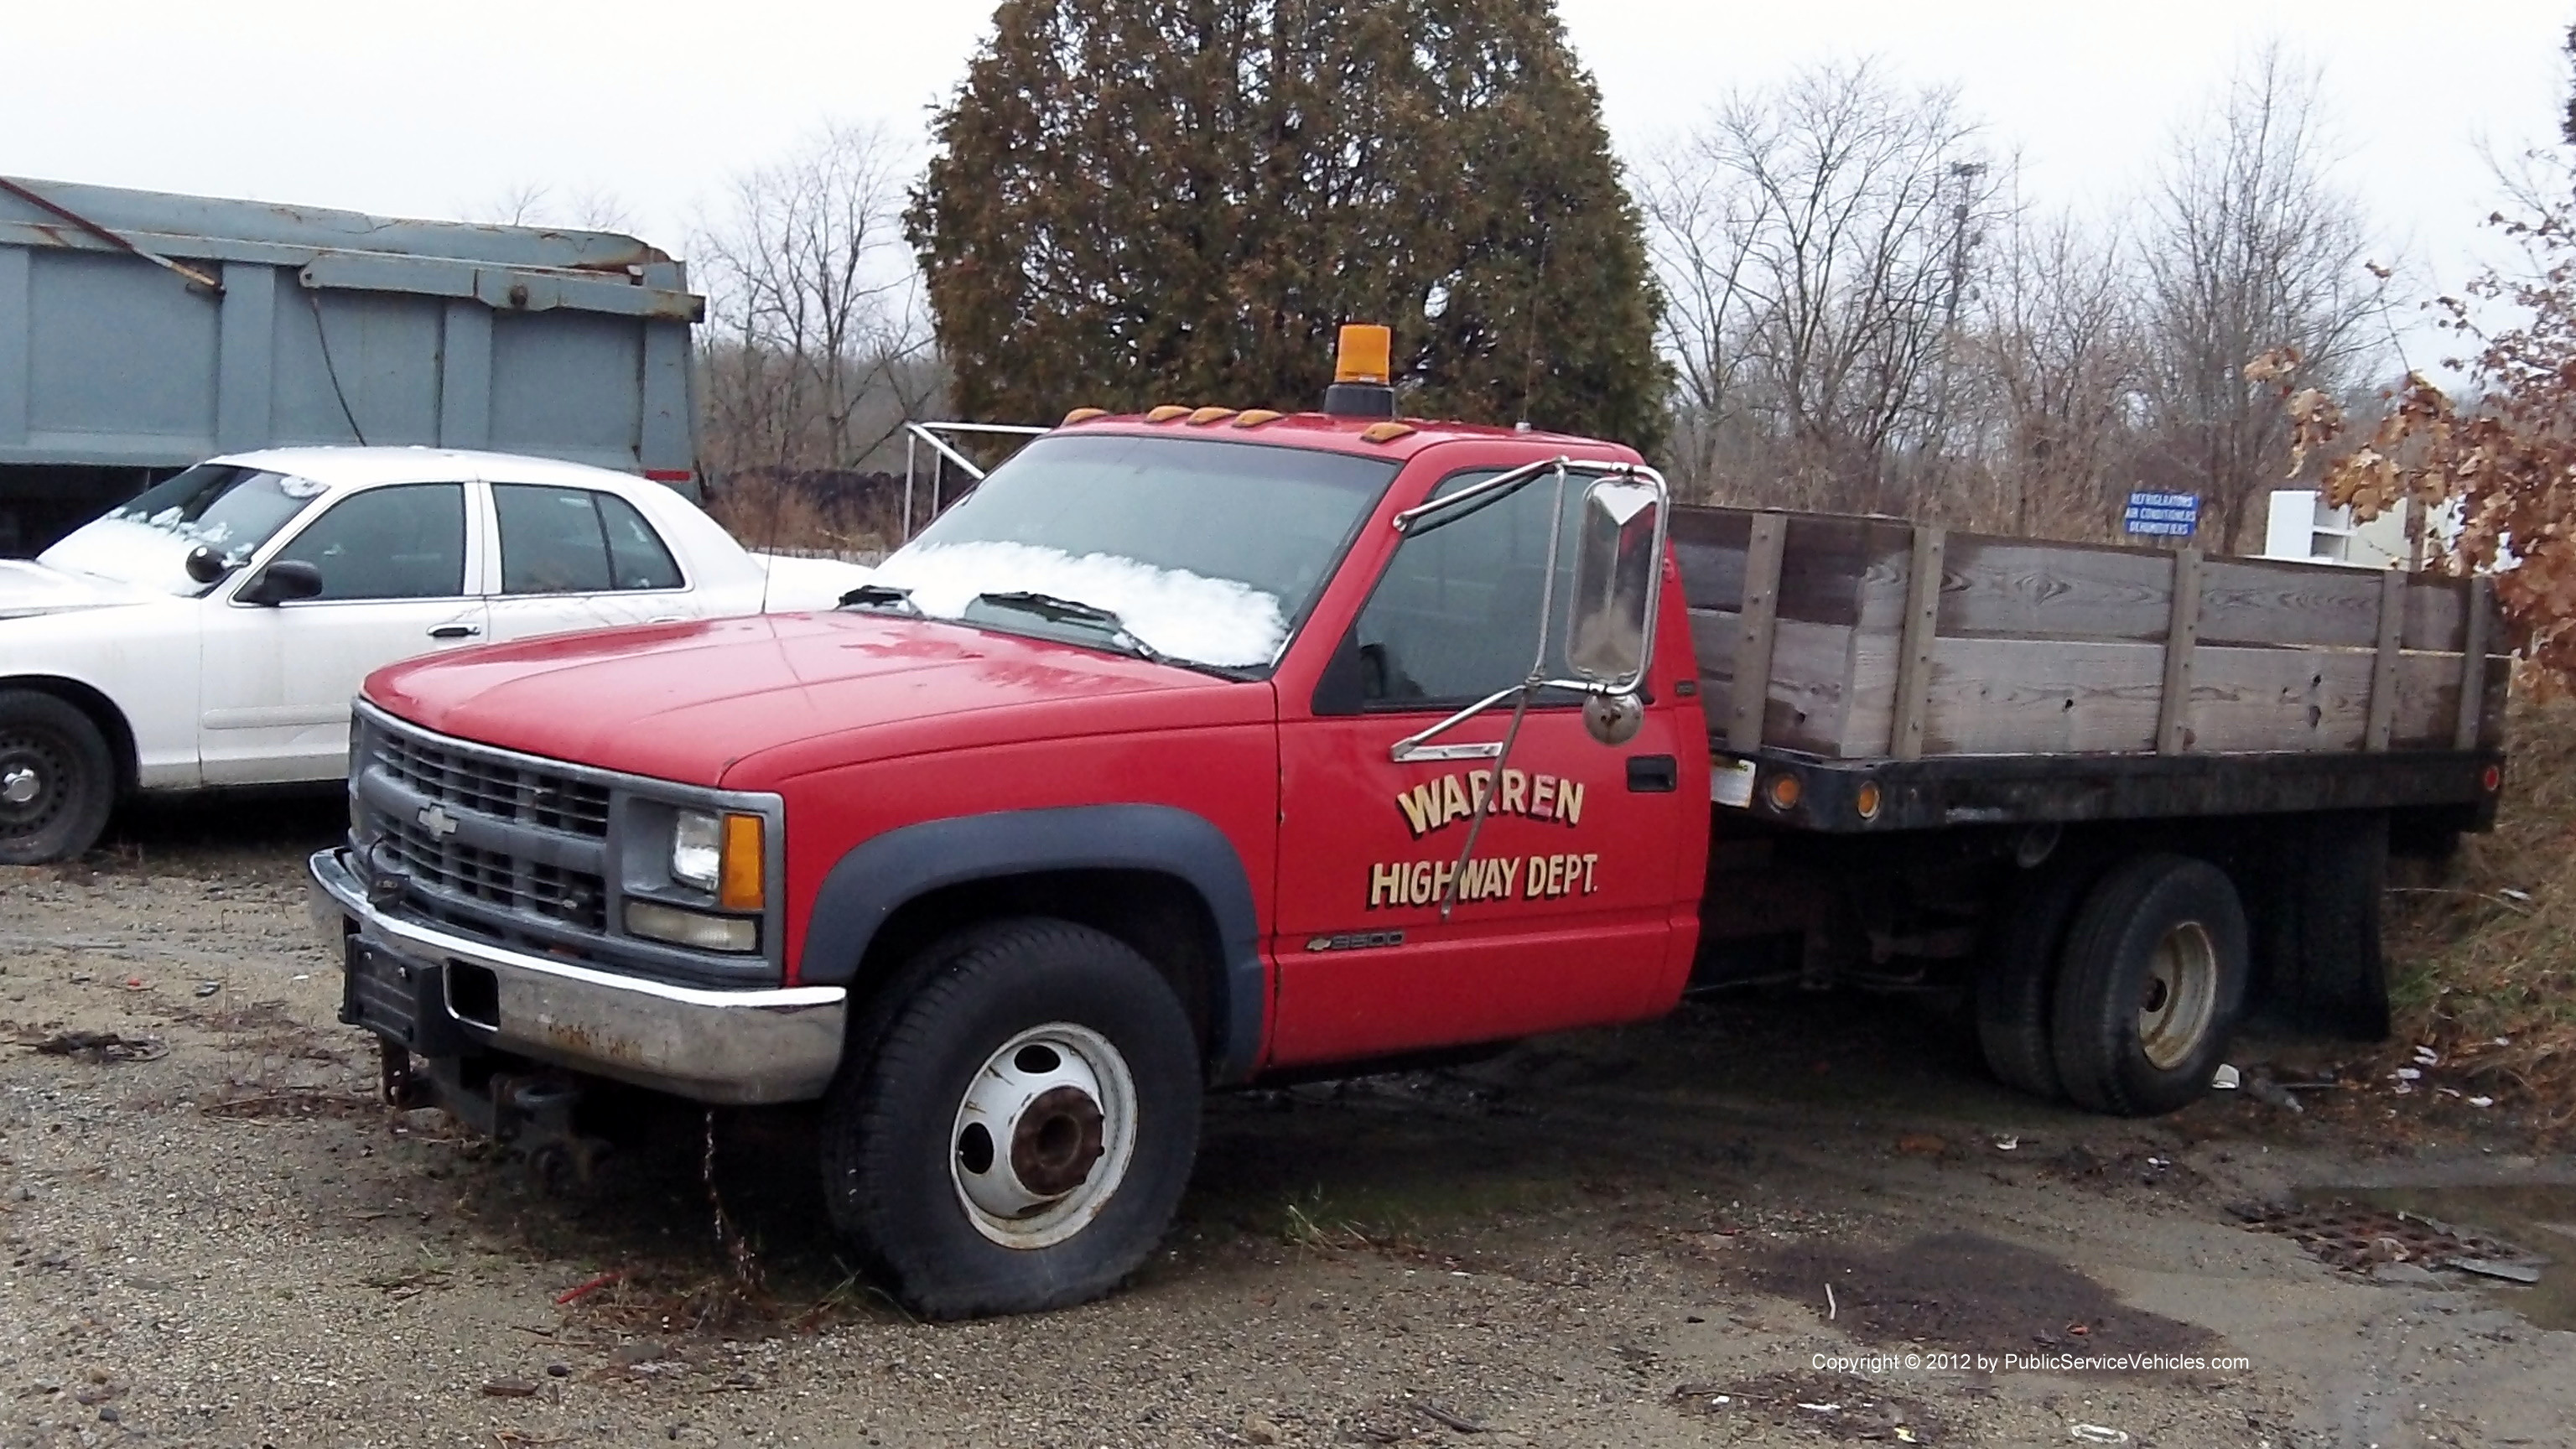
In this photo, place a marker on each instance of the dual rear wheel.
(2116, 989)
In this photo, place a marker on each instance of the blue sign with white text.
(2172, 515)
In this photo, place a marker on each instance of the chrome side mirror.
(1618, 566)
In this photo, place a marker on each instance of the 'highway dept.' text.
(1536, 877)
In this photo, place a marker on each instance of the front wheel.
(2150, 986)
(1021, 1132)
(57, 779)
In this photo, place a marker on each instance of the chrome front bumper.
(727, 1047)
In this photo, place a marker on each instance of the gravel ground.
(1728, 1228)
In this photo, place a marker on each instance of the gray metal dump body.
(142, 332)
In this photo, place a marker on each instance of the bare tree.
(814, 353)
(2252, 248)
(2057, 360)
(536, 203)
(1816, 241)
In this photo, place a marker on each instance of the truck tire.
(1019, 1124)
(2149, 986)
(2016, 980)
(57, 779)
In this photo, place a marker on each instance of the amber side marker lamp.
(1784, 792)
(1867, 799)
(742, 884)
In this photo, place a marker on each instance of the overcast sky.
(442, 109)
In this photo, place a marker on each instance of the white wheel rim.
(1043, 1136)
(2180, 997)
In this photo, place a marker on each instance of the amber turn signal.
(743, 885)
(1364, 353)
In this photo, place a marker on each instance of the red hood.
(748, 702)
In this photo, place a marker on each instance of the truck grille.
(577, 898)
(493, 787)
(497, 844)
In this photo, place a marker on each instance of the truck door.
(1565, 914)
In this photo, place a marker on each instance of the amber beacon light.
(1362, 374)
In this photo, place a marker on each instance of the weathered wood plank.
(2383, 666)
(2019, 588)
(1834, 561)
(1994, 696)
(2182, 640)
(1762, 556)
(2473, 663)
(1812, 673)
(1709, 544)
(1921, 625)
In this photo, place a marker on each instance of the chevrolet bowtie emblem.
(437, 822)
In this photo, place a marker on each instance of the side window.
(1455, 617)
(635, 551)
(402, 542)
(576, 541)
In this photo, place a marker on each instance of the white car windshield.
(226, 507)
(1204, 552)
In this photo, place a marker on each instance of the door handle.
(455, 631)
(1654, 774)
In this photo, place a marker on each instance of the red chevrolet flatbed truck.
(1192, 750)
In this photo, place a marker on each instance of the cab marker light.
(1385, 432)
(1205, 416)
(1255, 417)
(1166, 413)
(1082, 415)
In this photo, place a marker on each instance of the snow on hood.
(29, 587)
(1175, 612)
(798, 585)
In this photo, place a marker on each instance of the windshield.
(1207, 552)
(226, 507)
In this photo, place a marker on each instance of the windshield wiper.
(1056, 609)
(881, 596)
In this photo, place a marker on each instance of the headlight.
(723, 855)
(697, 850)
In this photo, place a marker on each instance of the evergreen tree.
(1146, 201)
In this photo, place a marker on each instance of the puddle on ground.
(2539, 1219)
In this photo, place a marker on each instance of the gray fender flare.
(867, 886)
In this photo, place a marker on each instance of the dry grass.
(793, 515)
(2483, 953)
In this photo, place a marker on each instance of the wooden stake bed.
(1964, 656)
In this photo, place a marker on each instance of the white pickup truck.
(213, 631)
